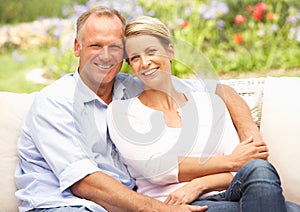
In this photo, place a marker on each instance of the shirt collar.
(87, 95)
(82, 90)
(119, 90)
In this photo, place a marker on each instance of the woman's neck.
(163, 100)
(168, 103)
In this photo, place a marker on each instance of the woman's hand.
(185, 195)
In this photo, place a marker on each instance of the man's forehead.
(103, 30)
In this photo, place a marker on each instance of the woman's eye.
(133, 58)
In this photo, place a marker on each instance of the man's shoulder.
(132, 84)
(127, 78)
(64, 88)
(195, 85)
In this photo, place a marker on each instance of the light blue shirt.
(64, 138)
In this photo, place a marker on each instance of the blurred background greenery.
(236, 36)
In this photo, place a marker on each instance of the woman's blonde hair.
(146, 25)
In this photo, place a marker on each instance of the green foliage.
(13, 73)
(253, 45)
(16, 11)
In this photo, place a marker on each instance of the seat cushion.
(280, 123)
(13, 107)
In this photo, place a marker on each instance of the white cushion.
(251, 90)
(13, 107)
(280, 128)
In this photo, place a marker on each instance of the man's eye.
(95, 46)
(116, 47)
(151, 51)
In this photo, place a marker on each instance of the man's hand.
(247, 151)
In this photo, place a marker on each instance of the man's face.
(100, 51)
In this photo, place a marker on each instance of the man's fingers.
(248, 140)
(263, 149)
(197, 208)
(264, 155)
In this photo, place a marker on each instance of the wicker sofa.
(275, 106)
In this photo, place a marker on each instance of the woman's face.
(149, 59)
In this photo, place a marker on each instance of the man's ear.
(171, 51)
(76, 48)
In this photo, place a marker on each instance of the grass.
(13, 73)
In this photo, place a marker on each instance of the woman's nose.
(145, 61)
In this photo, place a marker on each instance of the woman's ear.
(171, 51)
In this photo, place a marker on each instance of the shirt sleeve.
(59, 142)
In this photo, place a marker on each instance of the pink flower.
(239, 19)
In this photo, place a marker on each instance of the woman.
(163, 128)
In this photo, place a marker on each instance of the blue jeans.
(255, 187)
(62, 209)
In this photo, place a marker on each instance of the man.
(67, 161)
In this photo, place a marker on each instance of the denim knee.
(262, 169)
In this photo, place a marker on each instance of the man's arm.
(114, 196)
(199, 186)
(240, 113)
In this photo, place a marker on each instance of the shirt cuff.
(75, 172)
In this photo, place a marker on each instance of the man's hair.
(146, 25)
(99, 11)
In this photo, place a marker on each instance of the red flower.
(257, 15)
(249, 8)
(184, 24)
(238, 38)
(270, 16)
(261, 6)
(239, 19)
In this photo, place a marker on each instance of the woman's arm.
(194, 167)
(240, 113)
(195, 188)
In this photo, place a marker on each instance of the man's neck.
(105, 92)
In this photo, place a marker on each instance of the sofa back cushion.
(13, 107)
(280, 128)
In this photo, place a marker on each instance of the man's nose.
(104, 53)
